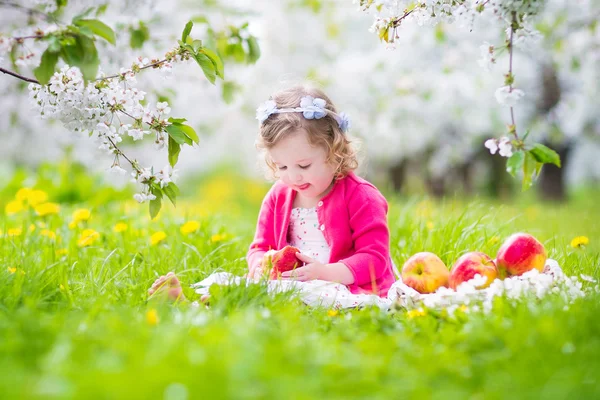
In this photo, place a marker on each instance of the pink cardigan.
(353, 218)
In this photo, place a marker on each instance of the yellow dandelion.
(48, 233)
(31, 228)
(332, 313)
(494, 240)
(189, 227)
(416, 313)
(430, 225)
(12, 270)
(120, 227)
(219, 237)
(157, 237)
(80, 215)
(580, 241)
(152, 317)
(424, 209)
(23, 194)
(14, 232)
(13, 207)
(37, 197)
(88, 236)
(47, 209)
(61, 252)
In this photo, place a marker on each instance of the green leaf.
(178, 134)
(174, 150)
(515, 162)
(201, 19)
(156, 203)
(186, 31)
(191, 133)
(138, 36)
(83, 54)
(228, 91)
(102, 9)
(171, 194)
(99, 28)
(196, 45)
(176, 120)
(207, 66)
(216, 60)
(253, 50)
(45, 70)
(82, 15)
(529, 171)
(53, 44)
(175, 188)
(545, 155)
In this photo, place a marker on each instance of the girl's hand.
(258, 271)
(310, 271)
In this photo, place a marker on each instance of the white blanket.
(319, 293)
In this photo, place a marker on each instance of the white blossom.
(508, 96)
(492, 144)
(505, 147)
(117, 170)
(163, 107)
(487, 56)
(143, 197)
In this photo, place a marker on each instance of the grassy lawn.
(75, 321)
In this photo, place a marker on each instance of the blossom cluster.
(108, 109)
(515, 15)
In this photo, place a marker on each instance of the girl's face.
(301, 166)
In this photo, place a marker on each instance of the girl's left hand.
(310, 271)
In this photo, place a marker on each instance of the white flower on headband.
(313, 108)
(265, 110)
(310, 107)
(343, 121)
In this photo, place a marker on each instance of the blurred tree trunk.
(552, 185)
(397, 174)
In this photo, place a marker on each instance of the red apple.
(425, 272)
(284, 260)
(470, 264)
(520, 253)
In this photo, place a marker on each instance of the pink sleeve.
(264, 237)
(370, 235)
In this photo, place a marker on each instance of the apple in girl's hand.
(520, 253)
(284, 260)
(471, 264)
(425, 272)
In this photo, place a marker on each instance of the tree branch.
(510, 64)
(29, 10)
(21, 77)
(141, 68)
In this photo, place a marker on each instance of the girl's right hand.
(257, 272)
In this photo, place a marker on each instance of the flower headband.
(310, 107)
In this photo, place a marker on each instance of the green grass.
(78, 325)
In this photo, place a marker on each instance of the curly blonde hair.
(325, 132)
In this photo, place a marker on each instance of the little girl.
(336, 219)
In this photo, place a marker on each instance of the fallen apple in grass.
(470, 264)
(520, 253)
(284, 260)
(425, 272)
